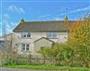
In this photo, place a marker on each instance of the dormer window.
(26, 35)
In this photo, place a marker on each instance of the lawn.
(49, 67)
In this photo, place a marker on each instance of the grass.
(49, 67)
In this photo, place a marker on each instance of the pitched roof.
(41, 26)
(44, 38)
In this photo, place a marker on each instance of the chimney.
(66, 21)
(22, 20)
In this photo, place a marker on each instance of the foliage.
(79, 39)
(76, 52)
(80, 35)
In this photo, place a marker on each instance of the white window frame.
(52, 35)
(25, 47)
(26, 34)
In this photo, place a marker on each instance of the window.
(26, 35)
(25, 47)
(52, 35)
(23, 35)
(29, 35)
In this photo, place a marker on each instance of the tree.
(79, 39)
(11, 50)
(80, 32)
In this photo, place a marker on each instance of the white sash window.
(26, 35)
(52, 35)
(25, 47)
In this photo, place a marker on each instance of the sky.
(12, 11)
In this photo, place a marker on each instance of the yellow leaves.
(79, 32)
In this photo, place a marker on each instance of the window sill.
(26, 37)
(25, 51)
